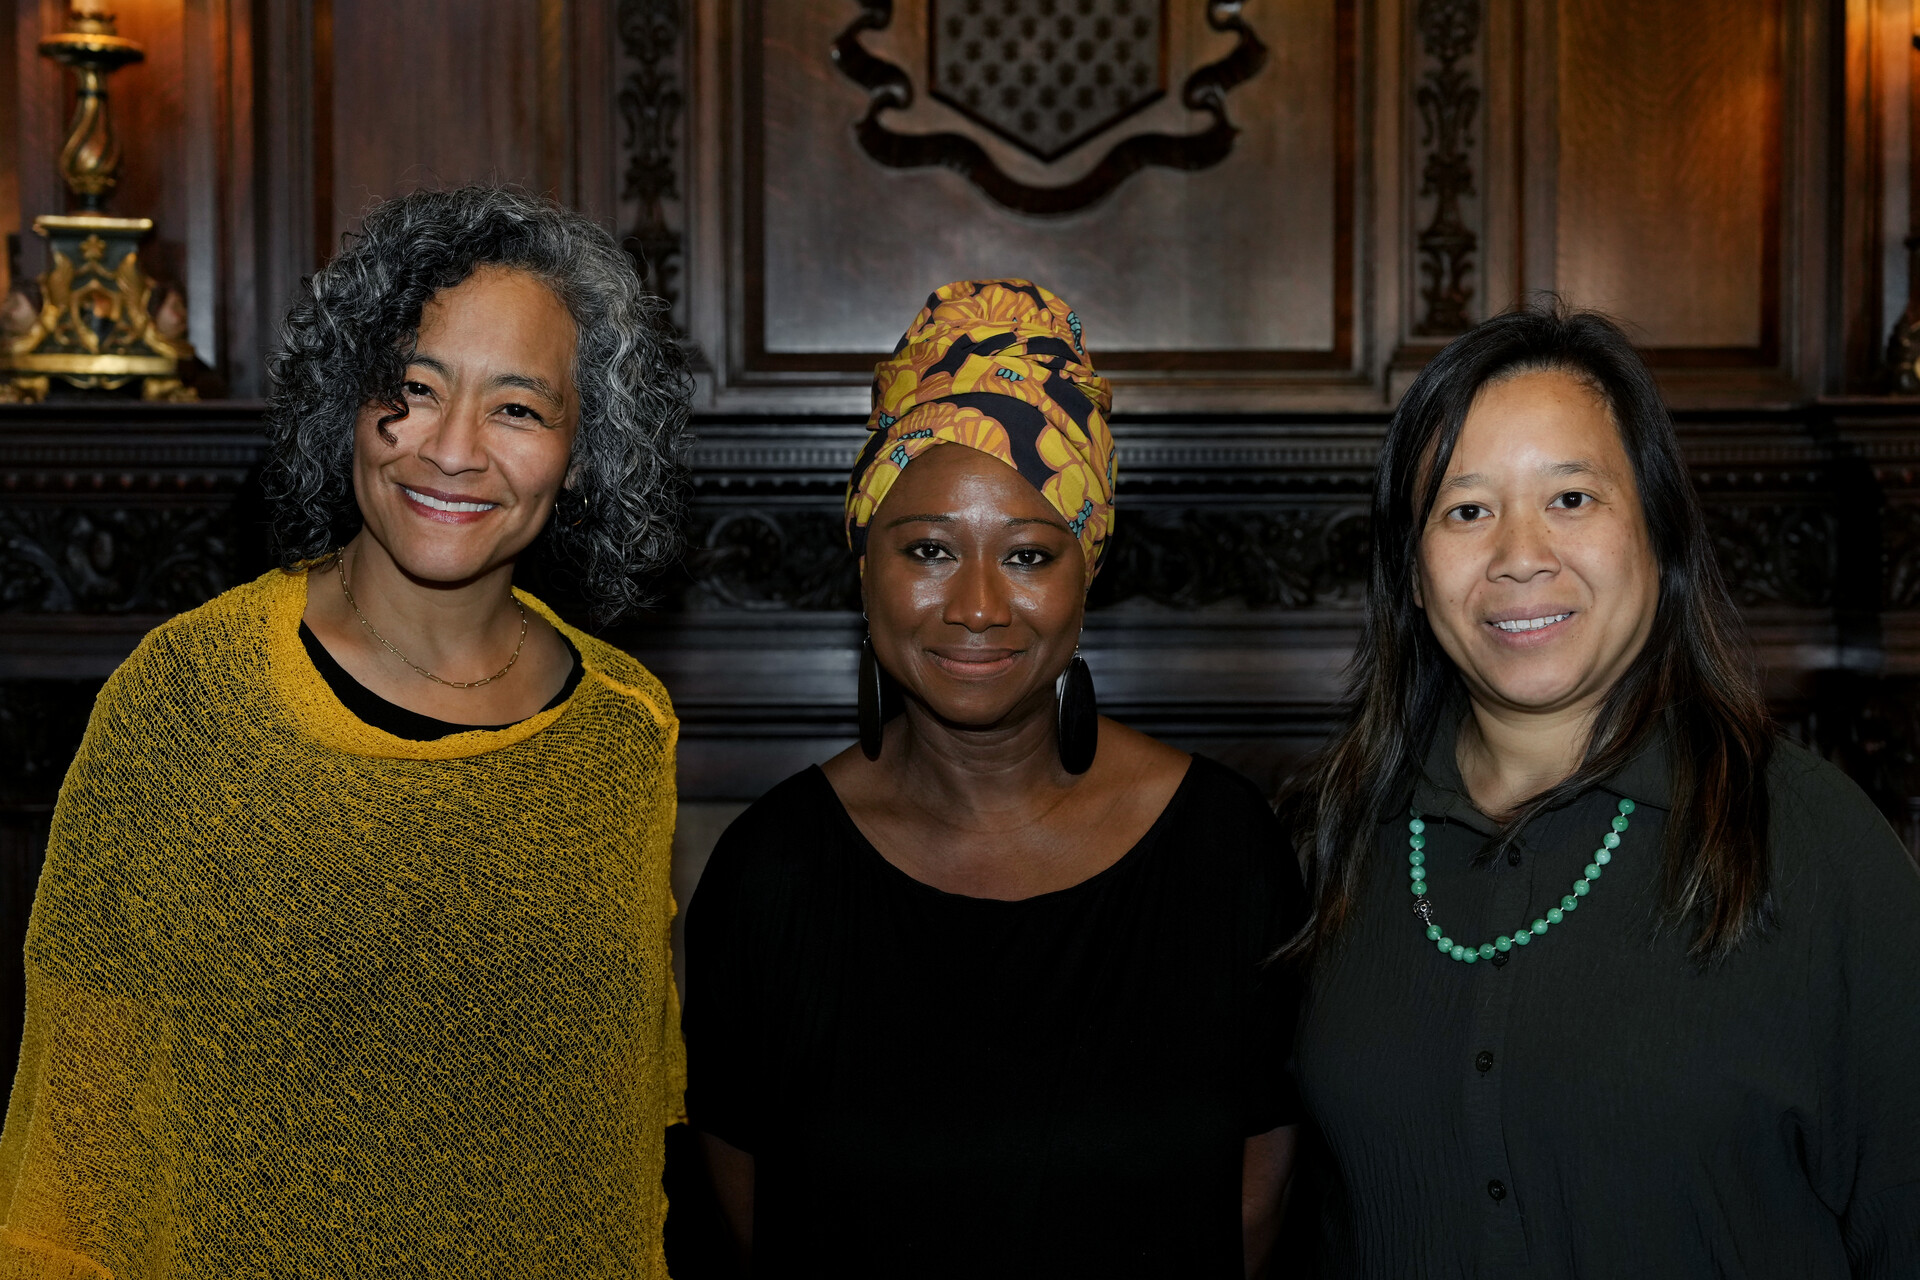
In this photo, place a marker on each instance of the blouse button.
(1497, 1189)
(1484, 1061)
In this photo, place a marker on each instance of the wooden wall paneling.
(150, 116)
(442, 92)
(555, 118)
(9, 138)
(1446, 101)
(649, 185)
(1669, 176)
(1853, 313)
(218, 182)
(322, 127)
(1872, 179)
(243, 323)
(1810, 92)
(1893, 45)
(1909, 111)
(291, 149)
(44, 103)
(1535, 50)
(589, 46)
(433, 92)
(1382, 271)
(204, 171)
(710, 191)
(1242, 284)
(1500, 149)
(372, 100)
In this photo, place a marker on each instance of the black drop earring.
(873, 701)
(1079, 716)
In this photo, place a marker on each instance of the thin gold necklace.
(340, 563)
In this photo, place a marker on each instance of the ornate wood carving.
(651, 102)
(1047, 77)
(1183, 557)
(890, 87)
(1448, 100)
(1298, 557)
(1777, 553)
(1225, 614)
(114, 559)
(1901, 555)
(117, 510)
(764, 557)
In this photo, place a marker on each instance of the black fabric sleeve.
(723, 1022)
(1873, 1147)
(1273, 907)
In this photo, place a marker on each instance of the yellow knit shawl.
(307, 999)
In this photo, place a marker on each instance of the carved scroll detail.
(110, 559)
(1275, 556)
(1449, 101)
(651, 102)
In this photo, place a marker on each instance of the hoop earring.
(1078, 733)
(873, 701)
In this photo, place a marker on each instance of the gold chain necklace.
(340, 563)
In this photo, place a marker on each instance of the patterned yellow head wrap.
(998, 366)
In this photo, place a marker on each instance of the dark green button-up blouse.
(1598, 1105)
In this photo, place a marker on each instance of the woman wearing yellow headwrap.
(986, 997)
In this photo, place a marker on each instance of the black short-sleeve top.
(937, 1085)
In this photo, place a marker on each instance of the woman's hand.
(732, 1173)
(1266, 1168)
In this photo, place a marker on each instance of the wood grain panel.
(44, 103)
(434, 92)
(1668, 190)
(9, 139)
(1245, 266)
(150, 116)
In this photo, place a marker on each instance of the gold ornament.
(95, 329)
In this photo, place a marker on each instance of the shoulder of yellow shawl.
(617, 669)
(226, 639)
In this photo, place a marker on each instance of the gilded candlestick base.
(92, 48)
(95, 330)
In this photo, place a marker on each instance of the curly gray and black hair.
(347, 343)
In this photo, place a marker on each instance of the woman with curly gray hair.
(351, 950)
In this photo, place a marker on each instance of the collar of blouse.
(1439, 791)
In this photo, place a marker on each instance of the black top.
(370, 708)
(935, 1085)
(1599, 1106)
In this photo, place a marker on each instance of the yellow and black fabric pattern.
(308, 999)
(1000, 366)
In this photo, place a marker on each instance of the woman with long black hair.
(1608, 979)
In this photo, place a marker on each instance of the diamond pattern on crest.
(1047, 75)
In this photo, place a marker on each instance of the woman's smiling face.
(975, 589)
(1535, 568)
(468, 477)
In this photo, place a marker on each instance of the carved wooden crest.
(1051, 77)
(1047, 75)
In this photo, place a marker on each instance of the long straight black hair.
(1694, 680)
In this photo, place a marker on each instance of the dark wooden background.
(1732, 178)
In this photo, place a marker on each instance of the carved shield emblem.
(1047, 75)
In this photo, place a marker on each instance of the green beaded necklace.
(1423, 905)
